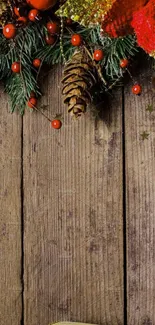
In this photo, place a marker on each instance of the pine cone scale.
(73, 78)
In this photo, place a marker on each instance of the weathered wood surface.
(140, 204)
(64, 202)
(73, 216)
(10, 216)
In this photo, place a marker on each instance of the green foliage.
(52, 54)
(21, 49)
(115, 50)
(19, 88)
(30, 43)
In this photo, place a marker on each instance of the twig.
(21, 73)
(98, 68)
(94, 63)
(38, 110)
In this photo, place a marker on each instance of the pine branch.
(19, 88)
(115, 50)
(52, 55)
(30, 43)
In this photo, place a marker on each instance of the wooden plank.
(73, 215)
(140, 183)
(10, 215)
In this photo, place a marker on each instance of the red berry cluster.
(9, 31)
(53, 30)
(77, 40)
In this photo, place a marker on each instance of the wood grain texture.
(73, 215)
(10, 215)
(140, 182)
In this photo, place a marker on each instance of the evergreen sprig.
(30, 43)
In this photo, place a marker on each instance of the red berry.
(32, 102)
(22, 19)
(50, 40)
(16, 11)
(137, 89)
(76, 40)
(98, 55)
(9, 31)
(16, 67)
(52, 27)
(56, 124)
(69, 21)
(33, 14)
(124, 63)
(36, 63)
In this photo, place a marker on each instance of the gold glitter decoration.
(152, 54)
(86, 12)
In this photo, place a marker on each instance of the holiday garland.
(95, 40)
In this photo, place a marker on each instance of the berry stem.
(98, 68)
(129, 73)
(89, 54)
(20, 57)
(43, 114)
(113, 84)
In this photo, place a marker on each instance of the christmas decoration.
(56, 124)
(50, 40)
(79, 77)
(16, 67)
(137, 89)
(87, 12)
(145, 135)
(42, 4)
(76, 40)
(32, 102)
(150, 108)
(16, 11)
(144, 25)
(33, 15)
(5, 11)
(9, 31)
(36, 63)
(23, 20)
(52, 27)
(118, 20)
(124, 63)
(69, 21)
(98, 55)
(95, 40)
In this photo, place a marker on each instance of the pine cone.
(3, 6)
(6, 9)
(79, 77)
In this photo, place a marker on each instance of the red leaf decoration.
(118, 20)
(144, 26)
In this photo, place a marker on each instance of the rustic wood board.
(73, 239)
(10, 215)
(140, 204)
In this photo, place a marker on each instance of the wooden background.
(77, 217)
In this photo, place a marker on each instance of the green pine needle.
(30, 44)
